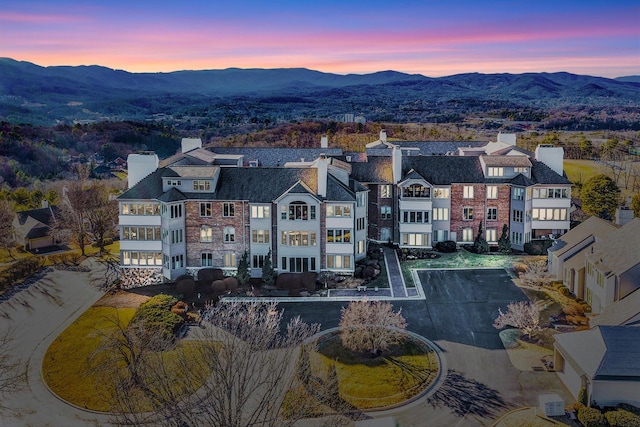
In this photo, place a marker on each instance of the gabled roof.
(172, 195)
(337, 191)
(150, 187)
(196, 171)
(604, 352)
(592, 226)
(42, 215)
(625, 311)
(412, 174)
(521, 181)
(619, 251)
(446, 170)
(511, 151)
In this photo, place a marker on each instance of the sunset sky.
(434, 38)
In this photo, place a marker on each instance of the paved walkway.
(394, 273)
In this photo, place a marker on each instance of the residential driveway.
(457, 315)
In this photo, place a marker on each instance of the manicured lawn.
(68, 366)
(367, 382)
(582, 170)
(71, 366)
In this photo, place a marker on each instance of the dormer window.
(201, 185)
(174, 182)
(416, 190)
(495, 171)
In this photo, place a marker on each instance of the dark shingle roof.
(376, 170)
(337, 191)
(43, 215)
(150, 187)
(521, 180)
(270, 157)
(543, 174)
(445, 170)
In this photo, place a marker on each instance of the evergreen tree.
(480, 245)
(599, 196)
(268, 273)
(504, 242)
(243, 275)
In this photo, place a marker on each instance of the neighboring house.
(32, 227)
(613, 267)
(603, 361)
(623, 312)
(323, 206)
(567, 255)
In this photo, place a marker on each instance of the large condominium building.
(315, 209)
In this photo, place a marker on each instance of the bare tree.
(237, 371)
(102, 216)
(524, 315)
(536, 273)
(7, 232)
(371, 326)
(12, 372)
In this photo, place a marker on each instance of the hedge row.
(19, 271)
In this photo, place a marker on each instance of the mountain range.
(64, 94)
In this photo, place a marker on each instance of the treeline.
(29, 153)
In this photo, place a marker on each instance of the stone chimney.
(324, 141)
(396, 162)
(140, 165)
(189, 144)
(551, 156)
(322, 164)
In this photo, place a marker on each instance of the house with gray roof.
(32, 227)
(602, 361)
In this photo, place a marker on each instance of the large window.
(338, 261)
(338, 236)
(549, 214)
(415, 239)
(440, 214)
(385, 191)
(141, 258)
(258, 211)
(229, 234)
(467, 192)
(177, 236)
(415, 216)
(298, 238)
(228, 209)
(492, 235)
(177, 261)
(360, 223)
(205, 209)
(260, 236)
(385, 212)
(296, 211)
(550, 193)
(467, 214)
(416, 190)
(492, 214)
(140, 233)
(361, 246)
(467, 234)
(175, 211)
(338, 211)
(140, 209)
(258, 261)
(206, 234)
(492, 191)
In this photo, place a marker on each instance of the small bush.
(218, 286)
(185, 285)
(230, 284)
(630, 408)
(210, 274)
(448, 246)
(573, 309)
(308, 280)
(590, 417)
(622, 418)
(156, 313)
(286, 281)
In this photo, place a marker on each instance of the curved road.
(37, 315)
